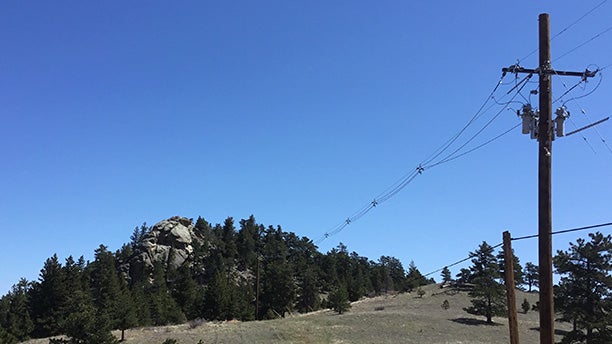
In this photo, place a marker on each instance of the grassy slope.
(405, 319)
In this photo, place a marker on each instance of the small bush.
(170, 341)
(525, 306)
(420, 292)
(445, 305)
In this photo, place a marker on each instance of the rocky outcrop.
(169, 242)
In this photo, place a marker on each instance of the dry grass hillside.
(403, 318)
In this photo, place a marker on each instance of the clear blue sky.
(118, 113)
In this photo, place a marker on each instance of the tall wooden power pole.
(545, 137)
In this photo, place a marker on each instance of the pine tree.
(6, 337)
(525, 306)
(338, 299)
(86, 326)
(105, 286)
(464, 276)
(308, 291)
(228, 237)
(184, 290)
(414, 278)
(584, 294)
(126, 316)
(246, 243)
(446, 275)
(219, 299)
(488, 297)
(142, 301)
(532, 275)
(518, 269)
(48, 296)
(278, 289)
(14, 314)
(163, 308)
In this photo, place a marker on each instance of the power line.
(565, 231)
(452, 156)
(520, 238)
(567, 27)
(477, 147)
(583, 44)
(448, 143)
(409, 177)
(459, 261)
(603, 140)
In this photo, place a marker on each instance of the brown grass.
(405, 318)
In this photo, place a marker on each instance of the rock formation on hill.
(169, 242)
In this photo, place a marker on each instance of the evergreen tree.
(308, 291)
(518, 269)
(446, 275)
(126, 316)
(86, 327)
(532, 275)
(584, 294)
(142, 307)
(219, 299)
(525, 306)
(488, 297)
(184, 290)
(414, 278)
(163, 308)
(338, 299)
(6, 337)
(394, 274)
(228, 237)
(48, 296)
(138, 235)
(360, 282)
(464, 276)
(246, 243)
(105, 286)
(377, 277)
(278, 290)
(14, 315)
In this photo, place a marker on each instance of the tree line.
(251, 272)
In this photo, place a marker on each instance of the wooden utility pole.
(545, 137)
(510, 288)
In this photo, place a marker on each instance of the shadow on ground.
(557, 331)
(473, 322)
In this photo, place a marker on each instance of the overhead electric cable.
(409, 177)
(603, 140)
(477, 147)
(448, 143)
(450, 156)
(459, 261)
(565, 231)
(583, 44)
(568, 27)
